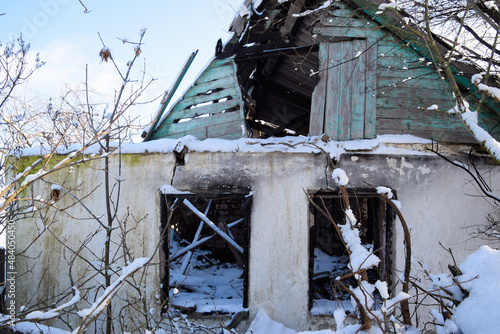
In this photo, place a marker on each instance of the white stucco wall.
(435, 197)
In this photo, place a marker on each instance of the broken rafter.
(290, 20)
(214, 227)
(187, 258)
(237, 256)
(200, 242)
(261, 52)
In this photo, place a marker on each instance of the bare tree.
(64, 131)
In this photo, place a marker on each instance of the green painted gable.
(211, 107)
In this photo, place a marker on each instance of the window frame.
(246, 197)
(386, 220)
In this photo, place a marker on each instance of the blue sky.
(66, 39)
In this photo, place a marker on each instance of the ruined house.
(226, 175)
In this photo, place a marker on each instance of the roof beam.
(261, 52)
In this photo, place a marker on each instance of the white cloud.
(65, 62)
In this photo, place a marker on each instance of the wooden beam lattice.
(197, 242)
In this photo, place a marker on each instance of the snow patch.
(385, 191)
(263, 324)
(168, 189)
(481, 271)
(29, 327)
(340, 177)
(325, 5)
(54, 312)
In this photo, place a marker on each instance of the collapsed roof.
(309, 67)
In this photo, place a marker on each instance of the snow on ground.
(263, 324)
(479, 313)
(30, 327)
(208, 284)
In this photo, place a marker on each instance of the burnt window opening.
(328, 255)
(205, 252)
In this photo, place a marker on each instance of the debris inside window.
(206, 241)
(329, 259)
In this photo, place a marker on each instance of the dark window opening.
(205, 251)
(328, 255)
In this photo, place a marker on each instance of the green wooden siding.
(211, 108)
(406, 86)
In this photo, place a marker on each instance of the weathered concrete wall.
(435, 197)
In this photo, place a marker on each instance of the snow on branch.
(470, 119)
(39, 315)
(490, 91)
(103, 301)
(390, 5)
(360, 257)
(340, 177)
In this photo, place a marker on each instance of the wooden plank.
(204, 131)
(342, 12)
(358, 101)
(439, 136)
(423, 82)
(345, 110)
(223, 227)
(348, 32)
(214, 227)
(317, 119)
(371, 90)
(262, 37)
(202, 88)
(435, 123)
(345, 107)
(408, 93)
(202, 110)
(346, 21)
(169, 94)
(217, 126)
(295, 8)
(333, 88)
(239, 22)
(210, 121)
(389, 69)
(230, 136)
(215, 73)
(189, 102)
(413, 104)
(249, 55)
(390, 46)
(412, 114)
(262, 48)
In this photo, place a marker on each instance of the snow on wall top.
(380, 145)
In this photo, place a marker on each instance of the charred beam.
(264, 53)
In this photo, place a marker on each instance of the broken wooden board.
(212, 107)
